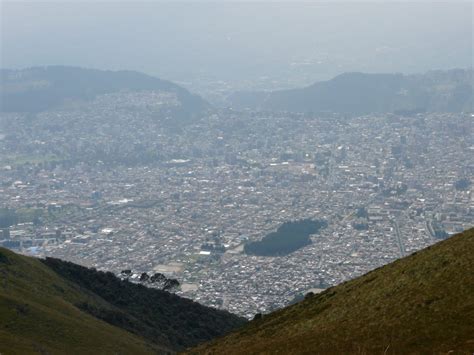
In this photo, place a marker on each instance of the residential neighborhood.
(113, 188)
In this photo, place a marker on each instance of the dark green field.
(289, 237)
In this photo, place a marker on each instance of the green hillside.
(423, 303)
(361, 93)
(43, 312)
(43, 88)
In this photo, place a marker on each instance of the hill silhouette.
(52, 306)
(423, 303)
(361, 93)
(42, 88)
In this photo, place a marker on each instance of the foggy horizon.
(292, 44)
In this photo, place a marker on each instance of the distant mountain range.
(421, 304)
(359, 93)
(43, 88)
(55, 307)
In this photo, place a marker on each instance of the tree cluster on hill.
(157, 280)
(154, 314)
(289, 237)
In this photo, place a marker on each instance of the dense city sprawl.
(111, 184)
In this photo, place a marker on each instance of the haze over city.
(264, 45)
(294, 176)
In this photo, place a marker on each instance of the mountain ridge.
(363, 93)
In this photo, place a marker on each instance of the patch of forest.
(156, 315)
(289, 237)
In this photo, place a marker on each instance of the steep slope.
(360, 93)
(423, 303)
(158, 316)
(43, 88)
(37, 314)
(41, 311)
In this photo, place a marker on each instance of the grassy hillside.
(423, 303)
(43, 312)
(37, 314)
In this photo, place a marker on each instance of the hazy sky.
(239, 41)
